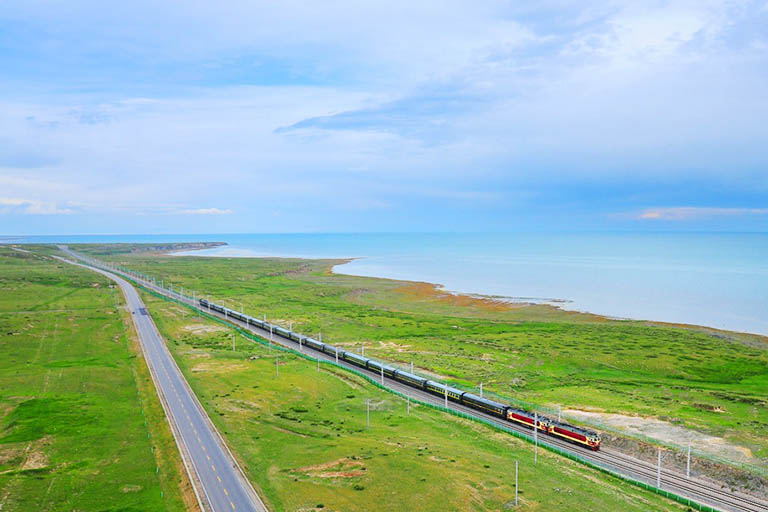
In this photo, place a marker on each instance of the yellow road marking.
(233, 505)
(213, 467)
(217, 476)
(226, 491)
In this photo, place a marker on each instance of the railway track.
(700, 490)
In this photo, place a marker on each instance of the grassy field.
(74, 397)
(301, 435)
(710, 381)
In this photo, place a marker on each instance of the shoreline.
(439, 290)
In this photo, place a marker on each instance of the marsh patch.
(38, 417)
(203, 329)
(339, 468)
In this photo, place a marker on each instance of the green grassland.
(712, 381)
(74, 397)
(301, 436)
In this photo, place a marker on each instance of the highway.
(701, 490)
(219, 483)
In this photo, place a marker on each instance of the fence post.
(658, 471)
(536, 438)
(515, 483)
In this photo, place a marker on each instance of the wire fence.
(488, 423)
(530, 406)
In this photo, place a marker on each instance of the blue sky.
(242, 116)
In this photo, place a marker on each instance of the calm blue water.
(719, 280)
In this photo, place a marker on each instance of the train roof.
(410, 375)
(444, 386)
(357, 357)
(485, 401)
(574, 428)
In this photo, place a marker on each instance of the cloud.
(17, 206)
(696, 213)
(399, 107)
(206, 211)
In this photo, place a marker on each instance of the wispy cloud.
(206, 211)
(696, 213)
(465, 114)
(10, 205)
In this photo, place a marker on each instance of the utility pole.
(446, 395)
(688, 465)
(481, 390)
(515, 483)
(382, 375)
(408, 403)
(318, 364)
(277, 365)
(411, 366)
(337, 355)
(367, 414)
(658, 471)
(559, 412)
(362, 351)
(536, 438)
(290, 328)
(233, 342)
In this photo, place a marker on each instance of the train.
(578, 435)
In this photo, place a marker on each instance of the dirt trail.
(667, 432)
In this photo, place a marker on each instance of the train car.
(310, 342)
(238, 316)
(377, 367)
(356, 359)
(296, 337)
(582, 436)
(281, 331)
(410, 379)
(527, 418)
(256, 322)
(485, 405)
(331, 350)
(441, 390)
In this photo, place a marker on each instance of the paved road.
(701, 490)
(221, 486)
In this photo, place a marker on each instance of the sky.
(253, 116)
